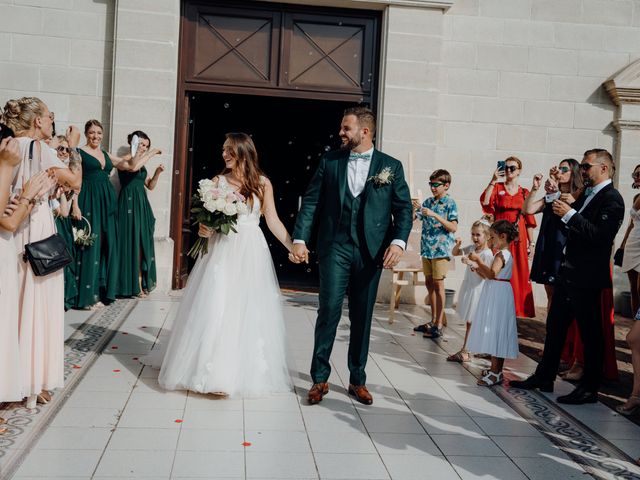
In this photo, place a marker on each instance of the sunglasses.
(62, 149)
(436, 184)
(510, 168)
(586, 166)
(563, 169)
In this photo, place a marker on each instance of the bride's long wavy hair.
(244, 152)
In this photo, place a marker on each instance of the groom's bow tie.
(358, 156)
(588, 191)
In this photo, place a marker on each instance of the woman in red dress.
(505, 201)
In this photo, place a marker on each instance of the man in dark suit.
(592, 223)
(361, 203)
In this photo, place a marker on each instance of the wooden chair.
(397, 282)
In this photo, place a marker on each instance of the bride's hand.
(204, 231)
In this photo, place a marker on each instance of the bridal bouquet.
(216, 207)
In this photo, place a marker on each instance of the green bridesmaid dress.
(97, 265)
(136, 225)
(64, 229)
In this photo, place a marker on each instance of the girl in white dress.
(472, 282)
(228, 337)
(494, 329)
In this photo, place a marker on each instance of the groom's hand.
(300, 253)
(392, 256)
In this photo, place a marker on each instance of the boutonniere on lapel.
(382, 178)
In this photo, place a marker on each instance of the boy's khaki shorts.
(435, 268)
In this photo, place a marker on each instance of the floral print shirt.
(436, 241)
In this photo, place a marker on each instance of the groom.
(361, 203)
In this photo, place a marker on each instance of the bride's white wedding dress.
(229, 334)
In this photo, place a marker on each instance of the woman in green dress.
(136, 223)
(97, 264)
(66, 203)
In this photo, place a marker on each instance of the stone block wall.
(62, 52)
(523, 77)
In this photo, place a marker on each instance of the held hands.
(392, 256)
(561, 208)
(299, 253)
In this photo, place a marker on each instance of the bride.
(228, 337)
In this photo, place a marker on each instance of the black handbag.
(47, 255)
(618, 256)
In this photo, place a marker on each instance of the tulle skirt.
(229, 335)
(494, 327)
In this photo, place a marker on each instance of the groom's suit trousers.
(343, 267)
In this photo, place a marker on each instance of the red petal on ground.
(143, 327)
(114, 347)
(77, 366)
(125, 333)
(134, 358)
(246, 444)
(179, 420)
(116, 371)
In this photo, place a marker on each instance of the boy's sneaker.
(433, 332)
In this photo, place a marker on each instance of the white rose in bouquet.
(230, 209)
(210, 205)
(205, 185)
(242, 208)
(220, 204)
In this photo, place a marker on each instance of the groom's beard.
(351, 143)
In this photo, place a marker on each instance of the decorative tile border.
(600, 458)
(594, 453)
(25, 426)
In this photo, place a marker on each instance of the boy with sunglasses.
(439, 215)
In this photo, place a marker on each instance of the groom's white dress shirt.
(357, 175)
(358, 172)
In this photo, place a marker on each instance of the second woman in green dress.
(136, 224)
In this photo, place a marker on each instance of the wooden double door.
(281, 73)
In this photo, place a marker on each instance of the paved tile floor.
(428, 420)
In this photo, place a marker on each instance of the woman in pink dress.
(9, 354)
(41, 299)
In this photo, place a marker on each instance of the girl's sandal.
(459, 357)
(491, 379)
(631, 406)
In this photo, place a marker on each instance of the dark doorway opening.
(290, 134)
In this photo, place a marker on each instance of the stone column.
(624, 90)
(144, 97)
(408, 109)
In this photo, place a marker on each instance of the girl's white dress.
(494, 327)
(631, 257)
(471, 285)
(229, 334)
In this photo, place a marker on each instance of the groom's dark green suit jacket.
(387, 212)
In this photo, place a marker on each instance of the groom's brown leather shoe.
(317, 391)
(361, 393)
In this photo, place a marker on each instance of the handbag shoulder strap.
(29, 164)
